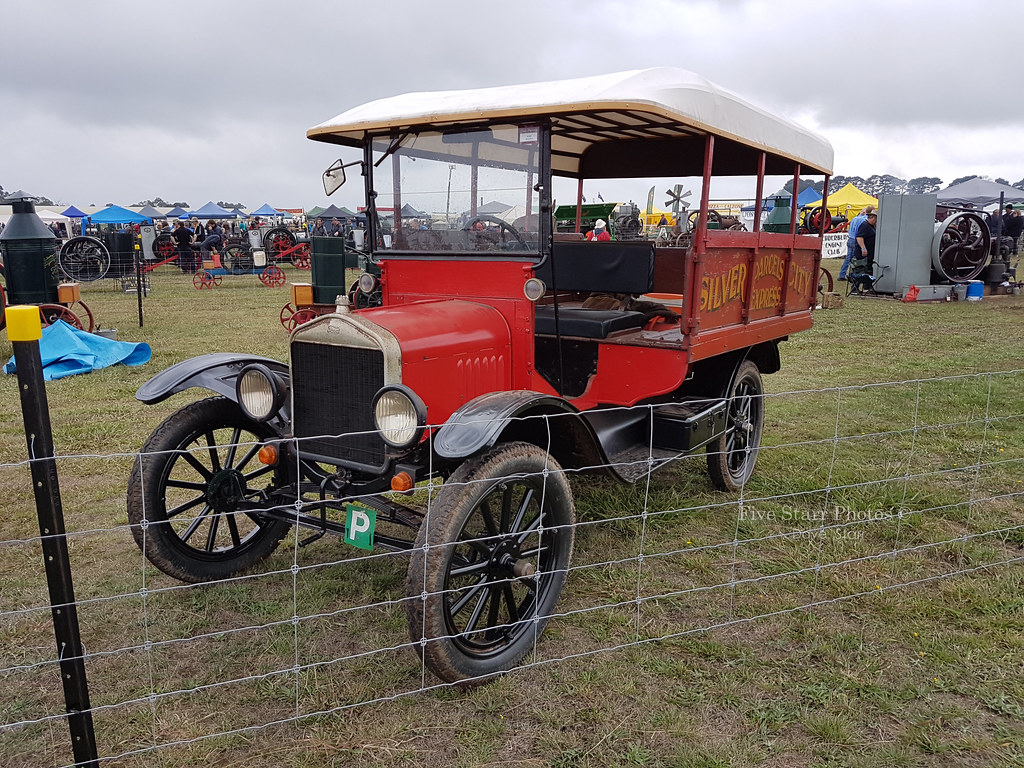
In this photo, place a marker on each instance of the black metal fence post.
(24, 332)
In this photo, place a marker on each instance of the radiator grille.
(333, 388)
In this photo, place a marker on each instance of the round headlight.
(534, 288)
(259, 392)
(399, 415)
(367, 283)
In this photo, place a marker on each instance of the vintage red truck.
(490, 356)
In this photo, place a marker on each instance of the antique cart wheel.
(302, 316)
(204, 278)
(731, 457)
(277, 241)
(194, 491)
(301, 257)
(288, 316)
(51, 313)
(272, 276)
(236, 260)
(825, 282)
(491, 559)
(714, 217)
(164, 247)
(84, 259)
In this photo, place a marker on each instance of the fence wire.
(859, 491)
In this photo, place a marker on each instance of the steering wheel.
(714, 217)
(503, 226)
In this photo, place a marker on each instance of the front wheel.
(490, 562)
(195, 491)
(731, 457)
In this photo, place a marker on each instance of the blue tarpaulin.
(66, 350)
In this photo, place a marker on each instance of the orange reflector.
(267, 455)
(402, 482)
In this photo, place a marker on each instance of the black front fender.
(216, 372)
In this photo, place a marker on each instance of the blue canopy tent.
(73, 213)
(805, 197)
(115, 214)
(213, 211)
(240, 213)
(266, 210)
(176, 212)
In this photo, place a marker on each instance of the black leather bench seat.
(586, 323)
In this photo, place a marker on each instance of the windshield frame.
(402, 145)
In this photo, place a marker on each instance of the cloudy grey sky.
(122, 100)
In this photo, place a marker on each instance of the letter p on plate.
(360, 523)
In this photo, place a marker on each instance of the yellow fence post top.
(23, 323)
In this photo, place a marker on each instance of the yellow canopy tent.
(847, 201)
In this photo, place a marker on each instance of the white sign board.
(833, 245)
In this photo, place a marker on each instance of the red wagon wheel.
(51, 313)
(278, 241)
(288, 316)
(164, 247)
(301, 257)
(272, 276)
(302, 316)
(825, 282)
(205, 279)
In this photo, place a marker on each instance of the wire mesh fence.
(859, 491)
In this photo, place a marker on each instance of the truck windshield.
(459, 190)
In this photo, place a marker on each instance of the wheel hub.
(505, 559)
(225, 490)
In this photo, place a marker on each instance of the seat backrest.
(612, 267)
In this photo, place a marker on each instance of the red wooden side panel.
(752, 287)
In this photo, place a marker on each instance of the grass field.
(774, 628)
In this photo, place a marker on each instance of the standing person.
(852, 249)
(863, 265)
(319, 230)
(1013, 225)
(600, 232)
(183, 238)
(335, 230)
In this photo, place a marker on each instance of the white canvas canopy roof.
(657, 108)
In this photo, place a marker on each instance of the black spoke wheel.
(195, 491)
(491, 557)
(731, 457)
(237, 260)
(84, 259)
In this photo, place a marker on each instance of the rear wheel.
(732, 456)
(195, 491)
(490, 562)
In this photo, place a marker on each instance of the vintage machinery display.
(29, 267)
(480, 361)
(912, 248)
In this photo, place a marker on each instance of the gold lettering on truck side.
(718, 290)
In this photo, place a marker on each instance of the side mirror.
(334, 177)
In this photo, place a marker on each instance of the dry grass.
(877, 674)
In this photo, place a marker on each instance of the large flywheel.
(960, 246)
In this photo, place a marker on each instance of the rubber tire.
(428, 568)
(147, 489)
(725, 478)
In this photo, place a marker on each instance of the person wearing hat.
(1013, 225)
(600, 232)
(852, 249)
